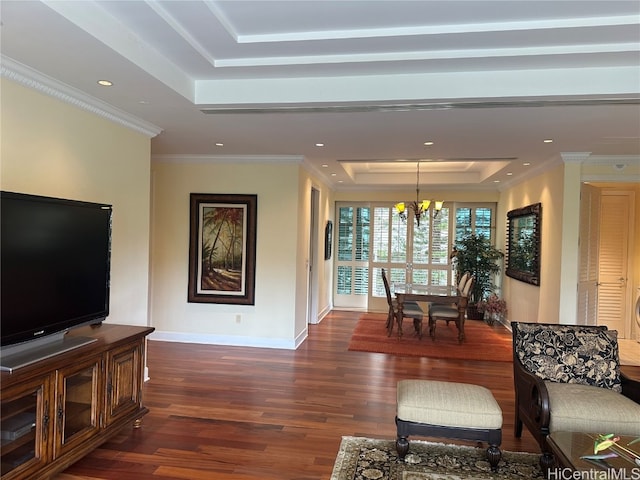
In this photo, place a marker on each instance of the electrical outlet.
(238, 318)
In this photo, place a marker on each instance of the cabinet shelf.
(9, 446)
(16, 457)
(16, 407)
(18, 425)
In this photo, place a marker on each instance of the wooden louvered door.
(613, 266)
(588, 255)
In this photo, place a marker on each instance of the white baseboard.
(236, 341)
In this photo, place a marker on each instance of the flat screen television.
(55, 258)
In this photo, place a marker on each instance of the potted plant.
(475, 254)
(494, 309)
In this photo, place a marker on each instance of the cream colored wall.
(278, 318)
(54, 149)
(529, 303)
(302, 249)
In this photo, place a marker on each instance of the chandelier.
(419, 207)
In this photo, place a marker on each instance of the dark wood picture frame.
(524, 243)
(328, 237)
(222, 248)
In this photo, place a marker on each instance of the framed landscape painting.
(222, 248)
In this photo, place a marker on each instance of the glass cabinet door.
(77, 405)
(24, 424)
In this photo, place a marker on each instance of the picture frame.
(328, 236)
(222, 248)
(524, 243)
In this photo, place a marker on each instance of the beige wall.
(278, 318)
(529, 303)
(54, 149)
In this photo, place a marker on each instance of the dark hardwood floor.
(259, 414)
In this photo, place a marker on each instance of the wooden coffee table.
(568, 447)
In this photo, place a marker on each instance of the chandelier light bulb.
(419, 207)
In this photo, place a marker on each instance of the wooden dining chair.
(450, 312)
(409, 310)
(464, 278)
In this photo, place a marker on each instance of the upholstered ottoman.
(450, 410)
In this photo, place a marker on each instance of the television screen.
(54, 262)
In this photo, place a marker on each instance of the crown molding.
(610, 178)
(575, 157)
(613, 160)
(30, 78)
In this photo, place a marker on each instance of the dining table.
(445, 294)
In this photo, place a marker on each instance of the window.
(474, 219)
(353, 250)
(372, 237)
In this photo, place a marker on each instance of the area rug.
(371, 459)
(482, 342)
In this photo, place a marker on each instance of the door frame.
(313, 256)
(622, 187)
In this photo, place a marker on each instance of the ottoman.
(450, 410)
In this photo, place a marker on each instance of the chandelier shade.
(419, 207)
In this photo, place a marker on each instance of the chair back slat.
(468, 286)
(387, 290)
(463, 280)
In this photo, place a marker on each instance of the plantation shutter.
(352, 260)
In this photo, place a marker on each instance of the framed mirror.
(523, 243)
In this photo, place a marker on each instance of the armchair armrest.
(532, 402)
(630, 385)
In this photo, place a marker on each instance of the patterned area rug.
(370, 459)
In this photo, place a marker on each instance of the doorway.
(615, 252)
(312, 283)
(607, 249)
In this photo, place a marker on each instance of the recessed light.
(509, 173)
(496, 181)
(324, 165)
(548, 140)
(526, 164)
(219, 144)
(105, 83)
(319, 144)
(428, 144)
(334, 174)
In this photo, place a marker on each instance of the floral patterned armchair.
(567, 378)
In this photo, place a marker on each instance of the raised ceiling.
(486, 81)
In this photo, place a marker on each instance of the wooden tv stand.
(55, 411)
